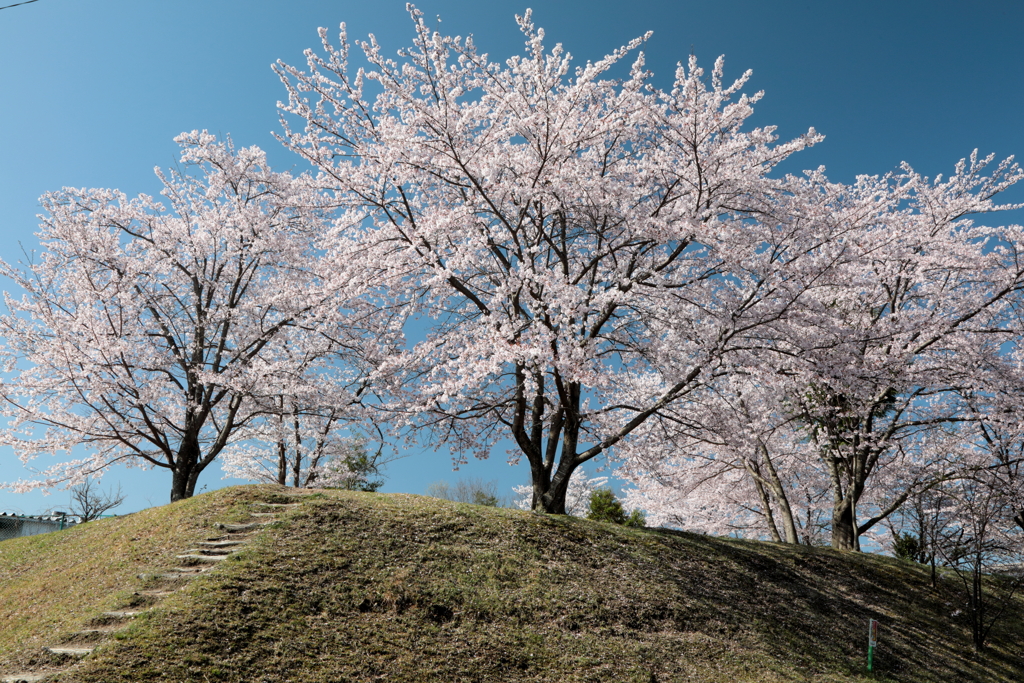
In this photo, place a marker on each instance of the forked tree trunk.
(186, 469)
(769, 516)
(770, 488)
(548, 492)
(782, 500)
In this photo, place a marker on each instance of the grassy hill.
(373, 587)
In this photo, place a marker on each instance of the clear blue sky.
(93, 91)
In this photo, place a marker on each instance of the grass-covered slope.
(371, 587)
(51, 583)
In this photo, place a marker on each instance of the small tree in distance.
(605, 507)
(909, 547)
(88, 501)
(353, 471)
(475, 491)
(308, 453)
(984, 548)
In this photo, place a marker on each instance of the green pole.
(871, 658)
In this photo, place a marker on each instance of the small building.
(15, 526)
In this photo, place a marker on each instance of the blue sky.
(93, 91)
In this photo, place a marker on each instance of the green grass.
(372, 587)
(52, 583)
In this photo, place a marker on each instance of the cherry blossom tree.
(147, 331)
(1001, 430)
(585, 252)
(973, 524)
(921, 312)
(728, 462)
(310, 434)
(871, 368)
(981, 538)
(305, 449)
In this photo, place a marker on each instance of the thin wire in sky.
(18, 4)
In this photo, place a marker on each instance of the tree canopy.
(583, 265)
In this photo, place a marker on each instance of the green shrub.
(637, 519)
(907, 547)
(605, 507)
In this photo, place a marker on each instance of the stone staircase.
(229, 538)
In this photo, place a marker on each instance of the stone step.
(280, 505)
(210, 552)
(263, 514)
(70, 650)
(141, 601)
(189, 568)
(190, 574)
(93, 632)
(27, 677)
(221, 544)
(122, 614)
(115, 618)
(240, 528)
(175, 573)
(90, 637)
(203, 558)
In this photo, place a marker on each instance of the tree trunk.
(185, 470)
(844, 527)
(845, 534)
(553, 503)
(193, 477)
(179, 485)
(779, 494)
(549, 492)
(772, 485)
(766, 505)
(770, 517)
(297, 465)
(978, 605)
(788, 522)
(282, 446)
(282, 463)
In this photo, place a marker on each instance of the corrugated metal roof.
(68, 519)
